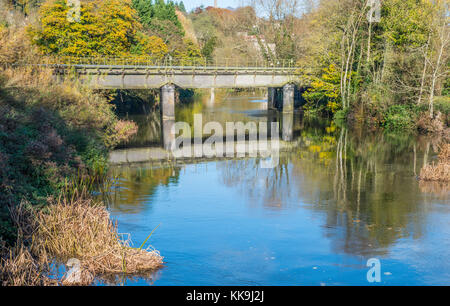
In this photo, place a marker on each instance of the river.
(334, 201)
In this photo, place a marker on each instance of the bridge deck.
(106, 73)
(180, 68)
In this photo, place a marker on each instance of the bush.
(439, 171)
(434, 125)
(341, 116)
(48, 133)
(400, 118)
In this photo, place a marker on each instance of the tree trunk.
(424, 70)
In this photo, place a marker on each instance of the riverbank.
(54, 138)
(400, 118)
(439, 171)
(79, 233)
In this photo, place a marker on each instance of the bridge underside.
(184, 80)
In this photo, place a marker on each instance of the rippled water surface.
(337, 199)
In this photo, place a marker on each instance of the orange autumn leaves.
(105, 28)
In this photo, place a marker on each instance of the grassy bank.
(53, 139)
(74, 230)
(49, 134)
(400, 118)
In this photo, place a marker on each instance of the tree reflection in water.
(138, 183)
(363, 183)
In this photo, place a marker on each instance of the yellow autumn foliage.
(150, 45)
(325, 89)
(104, 28)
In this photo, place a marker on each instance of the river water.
(336, 199)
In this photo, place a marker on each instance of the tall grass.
(439, 171)
(76, 227)
(83, 229)
(21, 268)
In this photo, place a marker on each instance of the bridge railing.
(169, 62)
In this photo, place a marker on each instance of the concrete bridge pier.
(287, 126)
(287, 120)
(167, 101)
(288, 98)
(271, 98)
(168, 134)
(281, 98)
(167, 106)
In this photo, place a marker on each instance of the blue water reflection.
(336, 200)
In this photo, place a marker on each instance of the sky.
(191, 4)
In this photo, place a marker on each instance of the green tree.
(149, 12)
(160, 19)
(181, 7)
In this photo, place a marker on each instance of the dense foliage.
(387, 72)
(158, 11)
(107, 27)
(50, 134)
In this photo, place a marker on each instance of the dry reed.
(21, 268)
(83, 229)
(439, 171)
(437, 188)
(72, 228)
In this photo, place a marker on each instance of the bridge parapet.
(167, 64)
(144, 73)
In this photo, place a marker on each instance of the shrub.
(341, 116)
(324, 93)
(425, 124)
(399, 118)
(439, 171)
(121, 131)
(48, 132)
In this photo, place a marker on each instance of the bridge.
(167, 74)
(182, 74)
